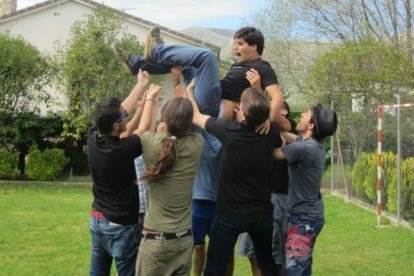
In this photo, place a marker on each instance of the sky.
(181, 14)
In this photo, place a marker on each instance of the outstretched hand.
(153, 92)
(254, 78)
(143, 77)
(180, 91)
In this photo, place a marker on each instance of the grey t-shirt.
(306, 162)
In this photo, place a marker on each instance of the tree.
(24, 75)
(357, 77)
(24, 72)
(90, 71)
(388, 21)
(298, 32)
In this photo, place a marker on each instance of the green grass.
(44, 231)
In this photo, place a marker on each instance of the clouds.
(179, 14)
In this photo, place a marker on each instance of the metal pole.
(398, 158)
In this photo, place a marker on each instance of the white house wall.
(50, 25)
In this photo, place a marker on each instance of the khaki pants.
(164, 257)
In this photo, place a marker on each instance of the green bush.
(8, 164)
(365, 174)
(389, 171)
(407, 190)
(359, 172)
(46, 165)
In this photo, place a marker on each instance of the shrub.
(46, 165)
(359, 172)
(78, 161)
(407, 190)
(8, 164)
(389, 170)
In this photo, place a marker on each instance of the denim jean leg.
(279, 226)
(261, 235)
(300, 243)
(223, 237)
(207, 83)
(101, 261)
(207, 177)
(119, 242)
(138, 62)
(124, 246)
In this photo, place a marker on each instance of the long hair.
(178, 118)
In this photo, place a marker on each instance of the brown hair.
(255, 106)
(178, 117)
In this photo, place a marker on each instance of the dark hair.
(255, 106)
(252, 36)
(105, 114)
(178, 119)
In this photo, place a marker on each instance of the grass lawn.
(44, 231)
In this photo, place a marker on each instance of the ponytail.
(165, 161)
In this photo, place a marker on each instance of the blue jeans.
(198, 63)
(207, 177)
(113, 241)
(280, 226)
(223, 237)
(300, 242)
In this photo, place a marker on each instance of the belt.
(97, 214)
(166, 236)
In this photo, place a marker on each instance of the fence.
(373, 162)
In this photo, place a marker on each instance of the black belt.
(166, 236)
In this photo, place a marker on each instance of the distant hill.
(219, 37)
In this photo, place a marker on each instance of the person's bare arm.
(145, 123)
(198, 118)
(276, 99)
(136, 93)
(289, 137)
(278, 154)
(134, 122)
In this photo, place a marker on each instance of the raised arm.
(146, 119)
(198, 118)
(134, 122)
(276, 101)
(136, 93)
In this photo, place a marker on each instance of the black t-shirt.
(111, 161)
(234, 82)
(246, 160)
(279, 174)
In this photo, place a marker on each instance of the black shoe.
(123, 58)
(153, 39)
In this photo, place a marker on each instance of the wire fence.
(373, 161)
